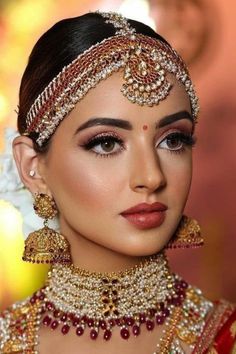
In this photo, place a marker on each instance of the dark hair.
(57, 47)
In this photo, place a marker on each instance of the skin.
(91, 191)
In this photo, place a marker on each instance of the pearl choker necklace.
(145, 294)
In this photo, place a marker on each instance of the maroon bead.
(65, 329)
(90, 322)
(129, 321)
(181, 293)
(54, 324)
(93, 334)
(136, 330)
(64, 317)
(50, 306)
(118, 321)
(33, 299)
(76, 322)
(102, 324)
(18, 324)
(42, 310)
(152, 312)
(177, 285)
(41, 296)
(142, 318)
(56, 313)
(150, 325)
(47, 320)
(112, 322)
(176, 301)
(124, 333)
(71, 317)
(20, 331)
(160, 319)
(79, 331)
(84, 318)
(183, 284)
(166, 312)
(107, 334)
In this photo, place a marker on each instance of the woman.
(101, 86)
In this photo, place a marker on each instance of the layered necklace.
(143, 296)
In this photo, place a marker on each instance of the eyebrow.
(125, 124)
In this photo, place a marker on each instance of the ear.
(27, 159)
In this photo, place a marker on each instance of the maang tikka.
(144, 61)
(46, 245)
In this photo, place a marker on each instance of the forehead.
(106, 99)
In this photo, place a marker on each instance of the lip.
(145, 208)
(146, 216)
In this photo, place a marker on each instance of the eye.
(177, 141)
(105, 145)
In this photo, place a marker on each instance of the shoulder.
(16, 324)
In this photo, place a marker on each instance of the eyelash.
(101, 139)
(188, 140)
(185, 138)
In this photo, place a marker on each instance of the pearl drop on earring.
(32, 173)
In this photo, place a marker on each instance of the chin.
(140, 249)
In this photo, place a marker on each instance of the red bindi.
(145, 127)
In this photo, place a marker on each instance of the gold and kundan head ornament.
(145, 62)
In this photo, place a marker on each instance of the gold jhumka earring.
(46, 245)
(187, 235)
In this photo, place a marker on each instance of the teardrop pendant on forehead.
(145, 127)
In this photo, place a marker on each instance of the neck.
(93, 257)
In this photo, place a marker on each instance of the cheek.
(85, 182)
(178, 171)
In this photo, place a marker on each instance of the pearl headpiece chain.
(145, 62)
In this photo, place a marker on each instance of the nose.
(146, 171)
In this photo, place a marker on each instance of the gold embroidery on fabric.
(221, 313)
(233, 329)
(212, 351)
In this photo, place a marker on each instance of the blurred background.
(203, 31)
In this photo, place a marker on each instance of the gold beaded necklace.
(159, 297)
(98, 302)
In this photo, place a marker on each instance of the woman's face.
(97, 172)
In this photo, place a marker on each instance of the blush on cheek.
(82, 184)
(182, 187)
(178, 170)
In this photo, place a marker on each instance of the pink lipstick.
(146, 216)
